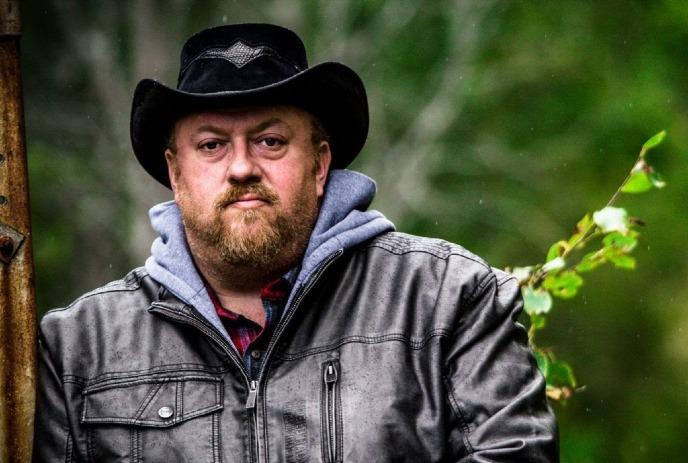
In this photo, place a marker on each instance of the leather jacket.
(399, 349)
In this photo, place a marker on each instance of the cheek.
(307, 191)
(190, 193)
(202, 179)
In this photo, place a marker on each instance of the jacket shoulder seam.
(503, 276)
(131, 282)
(505, 279)
(401, 243)
(486, 280)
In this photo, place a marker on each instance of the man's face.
(247, 183)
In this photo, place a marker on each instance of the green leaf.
(654, 141)
(623, 261)
(537, 321)
(584, 223)
(536, 301)
(612, 219)
(542, 361)
(582, 227)
(557, 249)
(625, 243)
(638, 182)
(590, 261)
(657, 180)
(564, 285)
(560, 374)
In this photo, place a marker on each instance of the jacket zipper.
(330, 410)
(281, 326)
(253, 385)
(253, 415)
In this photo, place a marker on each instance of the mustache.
(235, 192)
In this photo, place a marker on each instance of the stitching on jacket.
(138, 455)
(154, 423)
(179, 398)
(133, 447)
(90, 446)
(216, 437)
(503, 277)
(416, 248)
(460, 414)
(413, 344)
(145, 402)
(73, 379)
(505, 280)
(436, 247)
(126, 382)
(172, 369)
(159, 370)
(130, 282)
(69, 448)
(404, 243)
(153, 374)
(479, 287)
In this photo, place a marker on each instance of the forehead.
(245, 118)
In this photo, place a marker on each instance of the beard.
(270, 238)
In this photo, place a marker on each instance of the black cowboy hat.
(249, 65)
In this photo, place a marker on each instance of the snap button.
(165, 412)
(256, 354)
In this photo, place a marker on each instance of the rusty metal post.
(17, 299)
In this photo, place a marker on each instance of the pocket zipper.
(330, 379)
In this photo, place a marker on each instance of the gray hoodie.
(343, 222)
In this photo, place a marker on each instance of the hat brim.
(331, 91)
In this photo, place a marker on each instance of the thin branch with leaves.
(560, 276)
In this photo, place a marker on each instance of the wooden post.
(17, 299)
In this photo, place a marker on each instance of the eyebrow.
(209, 128)
(258, 128)
(267, 123)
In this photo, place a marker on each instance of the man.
(278, 319)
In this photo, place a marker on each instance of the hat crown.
(239, 57)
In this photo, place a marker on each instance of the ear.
(171, 161)
(324, 167)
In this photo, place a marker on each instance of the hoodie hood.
(343, 222)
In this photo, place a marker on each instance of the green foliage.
(536, 301)
(653, 142)
(614, 233)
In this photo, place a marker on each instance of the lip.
(248, 201)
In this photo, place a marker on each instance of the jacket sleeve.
(52, 439)
(495, 390)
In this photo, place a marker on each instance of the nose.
(242, 166)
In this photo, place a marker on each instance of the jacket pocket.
(153, 418)
(331, 412)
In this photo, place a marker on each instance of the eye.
(271, 142)
(211, 145)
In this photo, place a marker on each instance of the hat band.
(212, 75)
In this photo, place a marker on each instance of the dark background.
(494, 124)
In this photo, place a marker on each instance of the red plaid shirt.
(244, 332)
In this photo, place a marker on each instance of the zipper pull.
(252, 395)
(330, 375)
